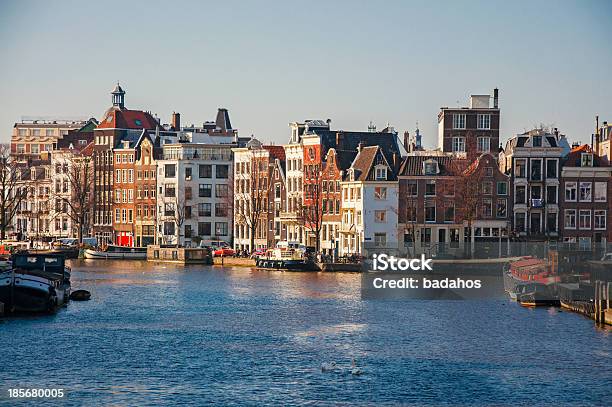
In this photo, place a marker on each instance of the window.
(204, 209)
(537, 141)
(380, 193)
(380, 239)
(221, 228)
(484, 144)
(381, 173)
(188, 171)
(551, 168)
(584, 243)
(430, 167)
(502, 206)
(221, 190)
(570, 219)
(551, 194)
(169, 228)
(205, 191)
(487, 188)
(170, 170)
(205, 171)
(277, 191)
(484, 121)
(36, 132)
(551, 222)
(459, 144)
(520, 221)
(187, 231)
(34, 149)
(430, 188)
(430, 212)
(188, 194)
(170, 191)
(221, 209)
(222, 171)
(459, 121)
(169, 209)
(586, 160)
(412, 188)
(487, 207)
(584, 219)
(411, 212)
(519, 195)
(502, 188)
(426, 236)
(380, 216)
(449, 212)
(536, 170)
(601, 191)
(570, 191)
(585, 192)
(599, 217)
(520, 167)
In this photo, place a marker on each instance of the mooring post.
(596, 301)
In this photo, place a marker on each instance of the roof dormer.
(430, 167)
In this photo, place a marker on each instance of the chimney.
(176, 121)
(495, 98)
(339, 140)
(556, 132)
(360, 146)
(406, 141)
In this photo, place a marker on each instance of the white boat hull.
(97, 254)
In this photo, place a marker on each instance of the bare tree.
(178, 216)
(78, 203)
(469, 199)
(10, 195)
(311, 213)
(252, 188)
(411, 205)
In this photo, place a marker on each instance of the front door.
(441, 240)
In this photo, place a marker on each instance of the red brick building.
(586, 207)
(470, 131)
(116, 124)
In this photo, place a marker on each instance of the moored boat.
(117, 252)
(285, 258)
(35, 283)
(528, 272)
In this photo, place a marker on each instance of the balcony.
(537, 203)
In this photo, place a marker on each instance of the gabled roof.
(276, 152)
(412, 165)
(350, 140)
(366, 160)
(574, 158)
(116, 118)
(76, 140)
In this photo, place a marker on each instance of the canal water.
(174, 335)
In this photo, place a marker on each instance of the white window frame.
(380, 216)
(459, 121)
(600, 191)
(589, 217)
(483, 121)
(602, 214)
(458, 144)
(569, 185)
(589, 189)
(380, 193)
(571, 212)
(481, 145)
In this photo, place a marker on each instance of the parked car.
(258, 253)
(223, 251)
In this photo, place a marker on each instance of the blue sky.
(273, 62)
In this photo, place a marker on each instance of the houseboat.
(286, 257)
(35, 282)
(112, 252)
(528, 276)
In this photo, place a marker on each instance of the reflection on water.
(173, 334)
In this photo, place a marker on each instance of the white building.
(193, 183)
(369, 205)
